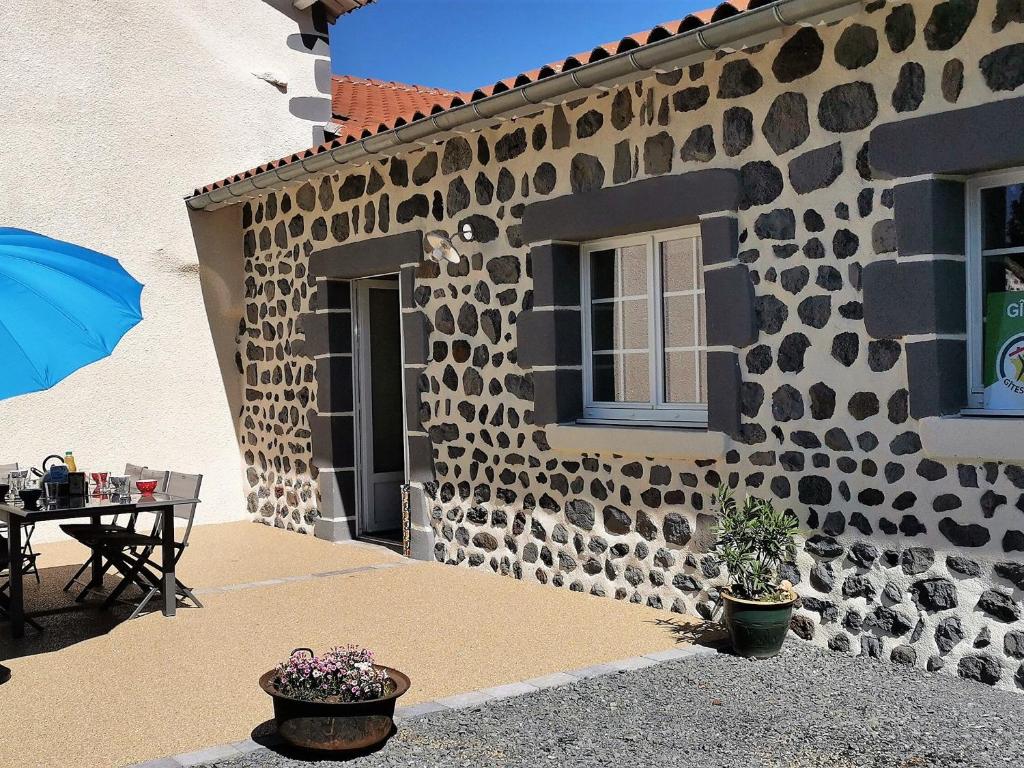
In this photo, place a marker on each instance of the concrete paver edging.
(459, 701)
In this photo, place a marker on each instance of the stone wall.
(903, 556)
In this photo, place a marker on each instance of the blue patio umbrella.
(61, 307)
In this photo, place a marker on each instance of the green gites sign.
(1004, 351)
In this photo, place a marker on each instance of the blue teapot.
(54, 470)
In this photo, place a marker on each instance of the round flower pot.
(331, 725)
(757, 629)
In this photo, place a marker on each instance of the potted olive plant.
(339, 702)
(753, 540)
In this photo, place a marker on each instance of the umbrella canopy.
(61, 308)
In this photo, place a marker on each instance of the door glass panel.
(386, 377)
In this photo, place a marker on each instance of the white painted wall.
(111, 112)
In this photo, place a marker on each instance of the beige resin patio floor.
(94, 692)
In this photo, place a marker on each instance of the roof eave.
(752, 27)
(332, 8)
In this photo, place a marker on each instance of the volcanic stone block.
(955, 142)
(641, 206)
(724, 399)
(729, 298)
(558, 396)
(550, 337)
(917, 297)
(333, 441)
(929, 217)
(936, 370)
(719, 240)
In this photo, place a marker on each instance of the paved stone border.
(448, 703)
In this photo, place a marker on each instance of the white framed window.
(644, 338)
(995, 292)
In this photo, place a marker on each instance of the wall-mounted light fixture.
(438, 245)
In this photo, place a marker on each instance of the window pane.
(683, 321)
(602, 274)
(681, 377)
(632, 326)
(633, 269)
(1002, 215)
(677, 265)
(1003, 330)
(680, 322)
(621, 378)
(603, 372)
(602, 326)
(1004, 272)
(636, 379)
(620, 325)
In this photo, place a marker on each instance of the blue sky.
(461, 44)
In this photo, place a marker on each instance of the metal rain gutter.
(744, 30)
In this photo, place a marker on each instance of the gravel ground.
(805, 708)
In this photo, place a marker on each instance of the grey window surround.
(959, 142)
(926, 296)
(549, 334)
(328, 340)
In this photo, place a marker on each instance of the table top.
(87, 506)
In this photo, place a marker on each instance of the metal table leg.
(16, 610)
(167, 562)
(97, 560)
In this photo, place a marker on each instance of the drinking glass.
(121, 484)
(99, 481)
(51, 490)
(19, 478)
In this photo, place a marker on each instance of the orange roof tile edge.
(627, 43)
(359, 104)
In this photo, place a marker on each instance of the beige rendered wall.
(112, 112)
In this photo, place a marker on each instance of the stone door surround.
(550, 333)
(328, 331)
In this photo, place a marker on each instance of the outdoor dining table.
(94, 507)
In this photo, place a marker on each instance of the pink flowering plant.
(343, 674)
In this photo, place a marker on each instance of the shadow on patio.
(121, 692)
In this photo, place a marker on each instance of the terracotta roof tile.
(400, 104)
(360, 104)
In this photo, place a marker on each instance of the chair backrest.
(185, 487)
(155, 474)
(134, 472)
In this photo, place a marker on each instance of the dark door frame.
(328, 332)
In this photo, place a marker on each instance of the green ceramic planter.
(757, 630)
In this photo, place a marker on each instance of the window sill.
(639, 440)
(991, 438)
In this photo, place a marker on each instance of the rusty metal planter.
(332, 725)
